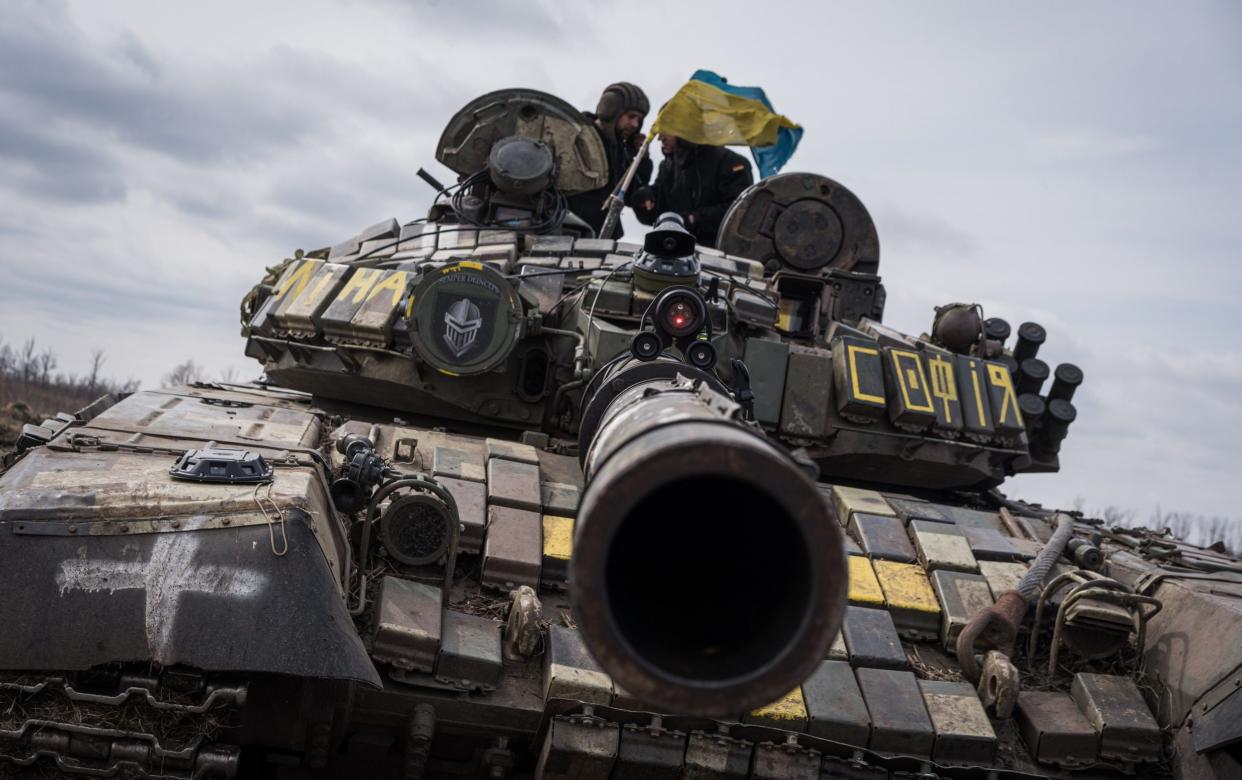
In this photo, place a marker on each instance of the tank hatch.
(581, 163)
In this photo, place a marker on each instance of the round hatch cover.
(465, 318)
(801, 222)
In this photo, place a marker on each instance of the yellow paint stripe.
(864, 587)
(790, 707)
(905, 586)
(558, 537)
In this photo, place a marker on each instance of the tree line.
(28, 374)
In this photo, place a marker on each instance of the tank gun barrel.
(708, 570)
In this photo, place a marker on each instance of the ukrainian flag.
(708, 110)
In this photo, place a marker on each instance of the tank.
(512, 501)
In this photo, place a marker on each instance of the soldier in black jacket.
(698, 182)
(619, 119)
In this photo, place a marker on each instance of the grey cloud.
(535, 19)
(233, 111)
(41, 163)
(923, 233)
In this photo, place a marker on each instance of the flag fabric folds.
(708, 110)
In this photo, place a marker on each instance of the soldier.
(696, 181)
(619, 119)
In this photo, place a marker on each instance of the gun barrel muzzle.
(708, 571)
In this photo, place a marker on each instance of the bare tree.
(184, 374)
(7, 358)
(228, 375)
(27, 361)
(46, 362)
(97, 361)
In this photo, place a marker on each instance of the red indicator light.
(680, 315)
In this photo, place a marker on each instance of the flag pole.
(616, 201)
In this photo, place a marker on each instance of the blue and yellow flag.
(708, 110)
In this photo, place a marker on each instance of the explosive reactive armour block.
(511, 450)
(787, 712)
(458, 464)
(578, 748)
(961, 596)
(649, 752)
(767, 359)
(560, 498)
(570, 672)
(594, 247)
(988, 544)
(1116, 710)
(872, 639)
(471, 499)
(973, 518)
(1002, 576)
(909, 509)
(942, 546)
(911, 602)
(864, 587)
(804, 410)
(911, 405)
(1054, 730)
(858, 379)
(408, 624)
(513, 551)
(716, 756)
(470, 656)
(835, 706)
(882, 536)
(963, 732)
(849, 500)
(899, 720)
(558, 541)
(552, 245)
(510, 483)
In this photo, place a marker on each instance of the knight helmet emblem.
(461, 326)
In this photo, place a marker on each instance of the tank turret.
(513, 501)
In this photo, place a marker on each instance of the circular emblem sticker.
(465, 318)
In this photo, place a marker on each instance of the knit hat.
(619, 98)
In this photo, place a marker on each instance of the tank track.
(164, 727)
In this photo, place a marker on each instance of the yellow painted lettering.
(974, 382)
(999, 377)
(359, 284)
(394, 283)
(321, 286)
(852, 352)
(297, 280)
(943, 383)
(912, 379)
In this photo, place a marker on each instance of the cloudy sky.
(1078, 164)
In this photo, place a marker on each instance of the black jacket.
(589, 205)
(699, 180)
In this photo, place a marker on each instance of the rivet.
(176, 523)
(73, 529)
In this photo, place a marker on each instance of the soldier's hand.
(690, 218)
